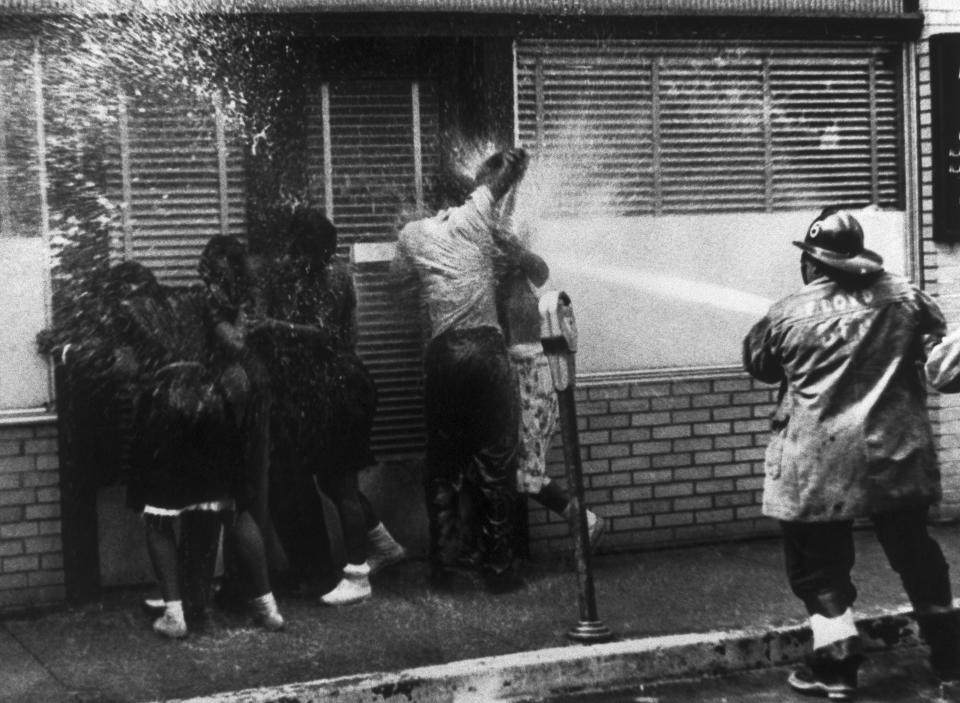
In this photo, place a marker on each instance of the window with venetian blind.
(701, 127)
(373, 161)
(179, 173)
(669, 179)
(373, 158)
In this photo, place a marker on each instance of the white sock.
(356, 570)
(265, 603)
(826, 630)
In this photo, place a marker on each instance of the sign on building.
(945, 104)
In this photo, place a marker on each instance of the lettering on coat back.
(837, 303)
(837, 325)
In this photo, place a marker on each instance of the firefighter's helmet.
(835, 238)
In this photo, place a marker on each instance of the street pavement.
(676, 614)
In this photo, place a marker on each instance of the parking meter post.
(559, 338)
(590, 628)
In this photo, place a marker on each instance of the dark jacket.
(851, 435)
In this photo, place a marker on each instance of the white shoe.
(271, 622)
(384, 549)
(267, 614)
(169, 625)
(353, 587)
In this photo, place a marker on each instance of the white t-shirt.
(452, 253)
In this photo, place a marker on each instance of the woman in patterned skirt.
(539, 409)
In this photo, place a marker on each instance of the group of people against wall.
(243, 403)
(240, 400)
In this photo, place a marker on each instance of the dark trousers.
(472, 413)
(297, 512)
(256, 439)
(820, 557)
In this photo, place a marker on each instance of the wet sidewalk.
(674, 612)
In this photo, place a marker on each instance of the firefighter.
(851, 439)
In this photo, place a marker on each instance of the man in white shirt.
(470, 389)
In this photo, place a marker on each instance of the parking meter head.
(558, 327)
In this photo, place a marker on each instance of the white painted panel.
(24, 376)
(682, 291)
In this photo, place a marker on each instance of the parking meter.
(558, 335)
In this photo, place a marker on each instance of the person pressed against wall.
(234, 314)
(851, 439)
(183, 466)
(328, 403)
(518, 308)
(159, 351)
(471, 402)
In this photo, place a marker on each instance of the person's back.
(854, 398)
(453, 254)
(470, 394)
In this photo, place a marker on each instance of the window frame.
(44, 412)
(908, 161)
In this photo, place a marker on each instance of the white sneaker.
(272, 622)
(169, 625)
(267, 614)
(384, 549)
(353, 587)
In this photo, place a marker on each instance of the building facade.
(679, 146)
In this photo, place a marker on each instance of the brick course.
(31, 551)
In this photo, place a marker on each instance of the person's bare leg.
(252, 558)
(162, 548)
(354, 586)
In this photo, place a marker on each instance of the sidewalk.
(674, 612)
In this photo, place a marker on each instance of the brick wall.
(31, 555)
(940, 265)
(668, 462)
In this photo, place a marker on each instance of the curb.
(540, 674)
